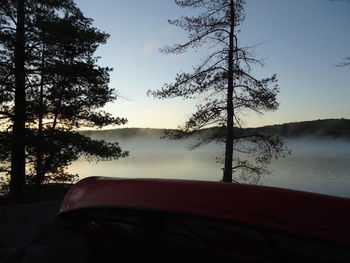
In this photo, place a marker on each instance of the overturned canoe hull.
(197, 208)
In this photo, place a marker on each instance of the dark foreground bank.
(33, 233)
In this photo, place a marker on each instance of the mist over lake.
(316, 165)
(321, 166)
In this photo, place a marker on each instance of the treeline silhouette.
(329, 128)
(332, 128)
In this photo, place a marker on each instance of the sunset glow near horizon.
(300, 41)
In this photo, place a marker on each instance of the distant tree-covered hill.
(331, 128)
(334, 128)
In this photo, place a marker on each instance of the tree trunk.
(17, 183)
(47, 163)
(40, 175)
(230, 114)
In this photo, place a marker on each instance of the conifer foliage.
(65, 88)
(225, 85)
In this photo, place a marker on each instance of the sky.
(301, 41)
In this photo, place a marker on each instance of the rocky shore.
(34, 233)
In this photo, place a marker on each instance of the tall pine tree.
(65, 88)
(226, 85)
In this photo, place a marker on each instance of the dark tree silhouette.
(18, 130)
(12, 88)
(65, 88)
(346, 61)
(225, 85)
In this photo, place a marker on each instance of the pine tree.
(226, 85)
(14, 37)
(65, 88)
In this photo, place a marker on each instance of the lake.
(321, 166)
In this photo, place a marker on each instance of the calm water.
(321, 166)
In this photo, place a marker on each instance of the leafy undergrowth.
(34, 194)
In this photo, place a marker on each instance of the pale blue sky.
(300, 41)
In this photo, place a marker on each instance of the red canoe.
(298, 215)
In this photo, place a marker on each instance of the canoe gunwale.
(258, 228)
